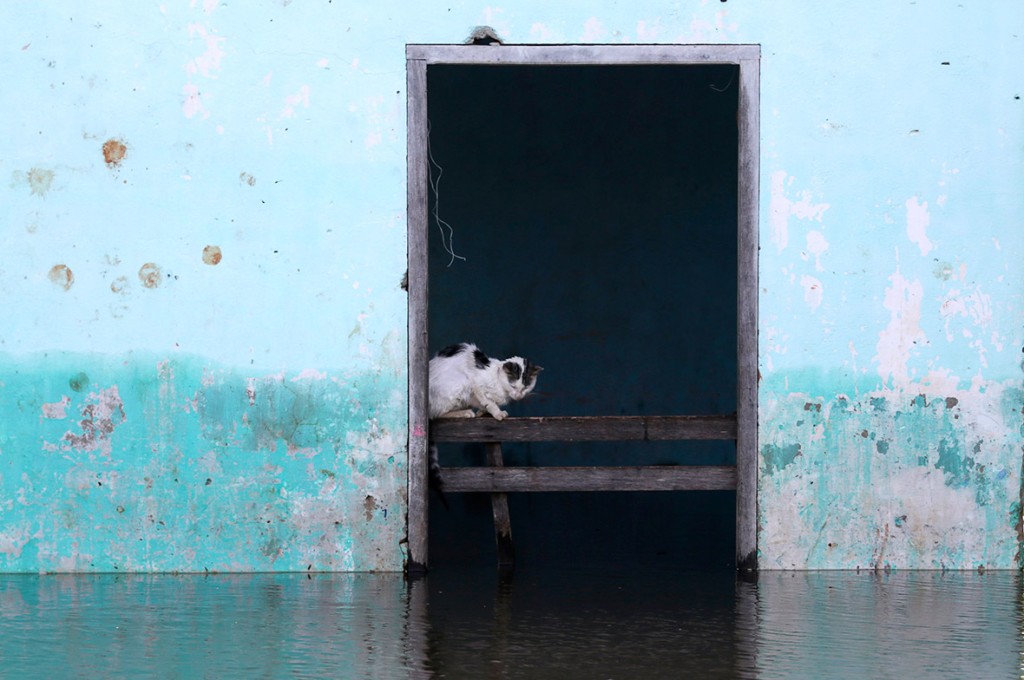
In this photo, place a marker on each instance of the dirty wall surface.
(203, 345)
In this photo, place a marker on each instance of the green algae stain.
(778, 457)
(78, 382)
(954, 463)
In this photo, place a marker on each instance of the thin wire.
(449, 245)
(732, 77)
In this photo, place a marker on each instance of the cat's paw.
(500, 415)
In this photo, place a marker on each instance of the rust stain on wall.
(120, 284)
(150, 275)
(62, 276)
(114, 151)
(212, 255)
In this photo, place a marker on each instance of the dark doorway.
(588, 221)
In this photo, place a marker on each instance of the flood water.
(537, 624)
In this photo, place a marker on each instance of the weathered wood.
(416, 76)
(582, 54)
(591, 428)
(625, 478)
(499, 508)
(742, 427)
(746, 322)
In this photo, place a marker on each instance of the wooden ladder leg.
(502, 521)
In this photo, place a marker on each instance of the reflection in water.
(563, 624)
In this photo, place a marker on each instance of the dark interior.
(595, 209)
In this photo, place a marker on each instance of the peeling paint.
(147, 481)
(929, 491)
(212, 255)
(150, 275)
(114, 152)
(62, 276)
(898, 341)
(188, 426)
(917, 222)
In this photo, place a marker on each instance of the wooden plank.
(502, 520)
(591, 428)
(582, 54)
(417, 183)
(626, 478)
(746, 322)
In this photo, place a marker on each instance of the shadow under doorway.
(586, 217)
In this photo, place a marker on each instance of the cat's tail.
(435, 480)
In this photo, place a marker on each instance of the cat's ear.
(533, 371)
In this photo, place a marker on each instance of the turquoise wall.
(204, 233)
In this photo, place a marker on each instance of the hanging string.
(447, 232)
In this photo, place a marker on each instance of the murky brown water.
(539, 624)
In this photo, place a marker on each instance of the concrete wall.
(203, 349)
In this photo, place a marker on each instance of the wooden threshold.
(618, 478)
(591, 428)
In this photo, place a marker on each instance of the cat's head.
(521, 376)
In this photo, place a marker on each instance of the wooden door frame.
(748, 59)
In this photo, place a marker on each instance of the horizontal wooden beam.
(632, 478)
(591, 428)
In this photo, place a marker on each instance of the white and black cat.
(465, 381)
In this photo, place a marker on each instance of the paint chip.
(114, 151)
(150, 275)
(212, 255)
(62, 276)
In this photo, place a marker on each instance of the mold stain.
(246, 178)
(62, 276)
(39, 181)
(114, 151)
(150, 275)
(78, 382)
(777, 458)
(370, 507)
(212, 255)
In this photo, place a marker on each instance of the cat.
(465, 381)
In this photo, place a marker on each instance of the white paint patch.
(593, 30)
(193, 102)
(778, 211)
(13, 541)
(781, 208)
(917, 222)
(895, 342)
(541, 33)
(293, 100)
(939, 383)
(310, 374)
(648, 31)
(816, 246)
(813, 291)
(208, 62)
(323, 63)
(976, 306)
(57, 410)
